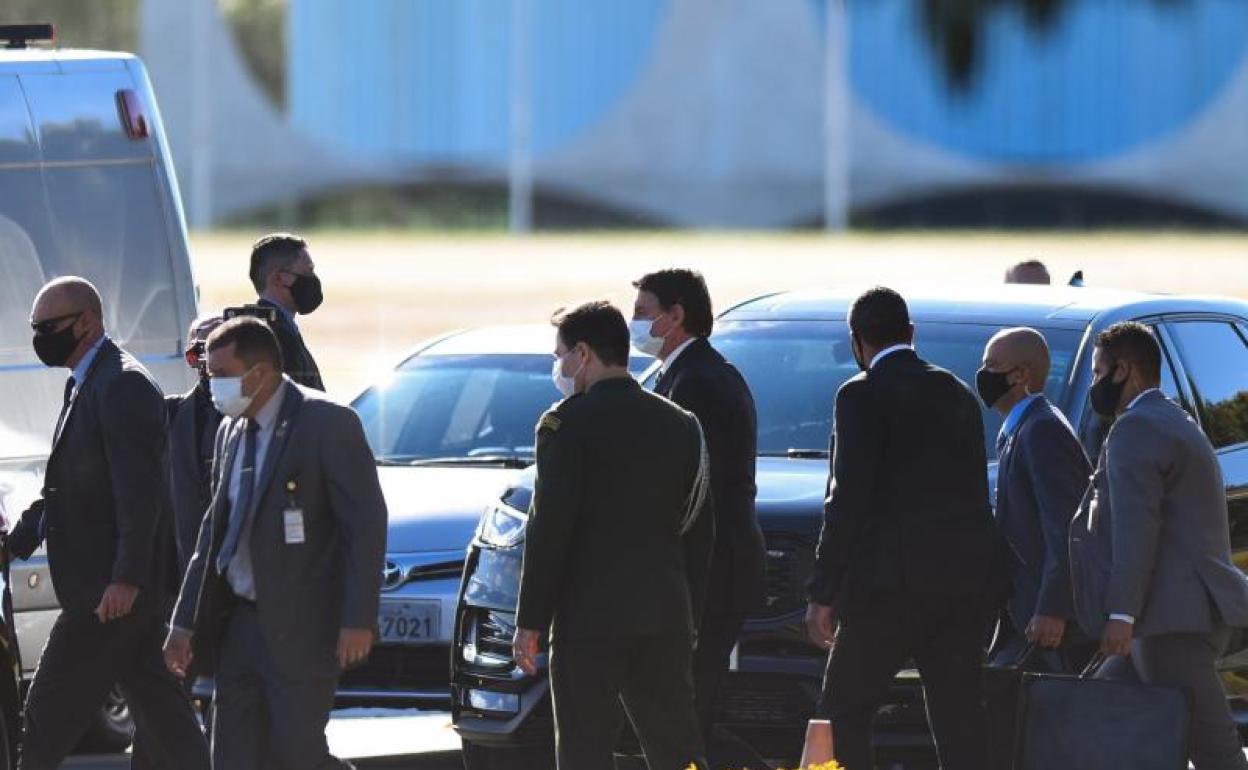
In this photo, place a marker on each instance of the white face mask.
(227, 394)
(566, 385)
(640, 332)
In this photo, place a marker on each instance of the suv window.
(1215, 357)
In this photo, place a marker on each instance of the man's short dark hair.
(1133, 342)
(600, 325)
(253, 341)
(880, 318)
(1028, 271)
(275, 251)
(687, 288)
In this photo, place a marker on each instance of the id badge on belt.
(292, 517)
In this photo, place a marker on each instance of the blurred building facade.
(715, 113)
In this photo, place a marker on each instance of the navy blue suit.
(1041, 478)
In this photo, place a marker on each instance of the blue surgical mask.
(566, 385)
(227, 394)
(641, 333)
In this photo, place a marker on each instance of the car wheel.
(478, 757)
(113, 728)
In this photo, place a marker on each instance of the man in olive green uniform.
(617, 553)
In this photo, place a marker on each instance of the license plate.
(409, 622)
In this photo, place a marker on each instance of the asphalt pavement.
(370, 738)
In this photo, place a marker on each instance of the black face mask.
(306, 291)
(1105, 394)
(55, 348)
(992, 385)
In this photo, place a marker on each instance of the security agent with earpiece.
(103, 517)
(1042, 473)
(616, 553)
(281, 594)
(285, 279)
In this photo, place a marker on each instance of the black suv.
(793, 348)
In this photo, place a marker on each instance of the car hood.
(437, 509)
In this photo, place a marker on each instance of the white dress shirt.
(240, 574)
(671, 359)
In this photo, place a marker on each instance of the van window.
(106, 225)
(1215, 357)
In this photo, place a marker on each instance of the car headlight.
(501, 525)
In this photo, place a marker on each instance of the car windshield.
(461, 408)
(794, 369)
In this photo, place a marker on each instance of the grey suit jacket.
(1159, 506)
(305, 592)
(1041, 478)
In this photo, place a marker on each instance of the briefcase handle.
(1093, 665)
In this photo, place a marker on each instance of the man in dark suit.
(101, 515)
(616, 553)
(1161, 588)
(672, 319)
(909, 557)
(1042, 472)
(193, 422)
(285, 278)
(282, 592)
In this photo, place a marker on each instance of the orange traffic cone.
(818, 748)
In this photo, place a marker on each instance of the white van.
(86, 188)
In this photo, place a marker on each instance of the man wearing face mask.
(102, 514)
(282, 591)
(616, 553)
(672, 320)
(1042, 472)
(1170, 594)
(909, 563)
(193, 422)
(285, 278)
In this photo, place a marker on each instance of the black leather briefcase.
(1077, 723)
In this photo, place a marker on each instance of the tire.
(113, 728)
(478, 757)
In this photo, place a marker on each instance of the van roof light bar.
(18, 35)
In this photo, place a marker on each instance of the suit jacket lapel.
(106, 349)
(667, 381)
(291, 402)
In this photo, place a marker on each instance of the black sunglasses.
(49, 325)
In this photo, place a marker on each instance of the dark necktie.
(69, 395)
(241, 507)
(1003, 439)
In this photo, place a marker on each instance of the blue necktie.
(242, 506)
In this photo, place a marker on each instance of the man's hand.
(178, 653)
(1116, 638)
(821, 624)
(524, 648)
(1046, 631)
(354, 645)
(117, 601)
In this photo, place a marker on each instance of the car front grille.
(790, 558)
(398, 668)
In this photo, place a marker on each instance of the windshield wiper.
(799, 454)
(501, 461)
